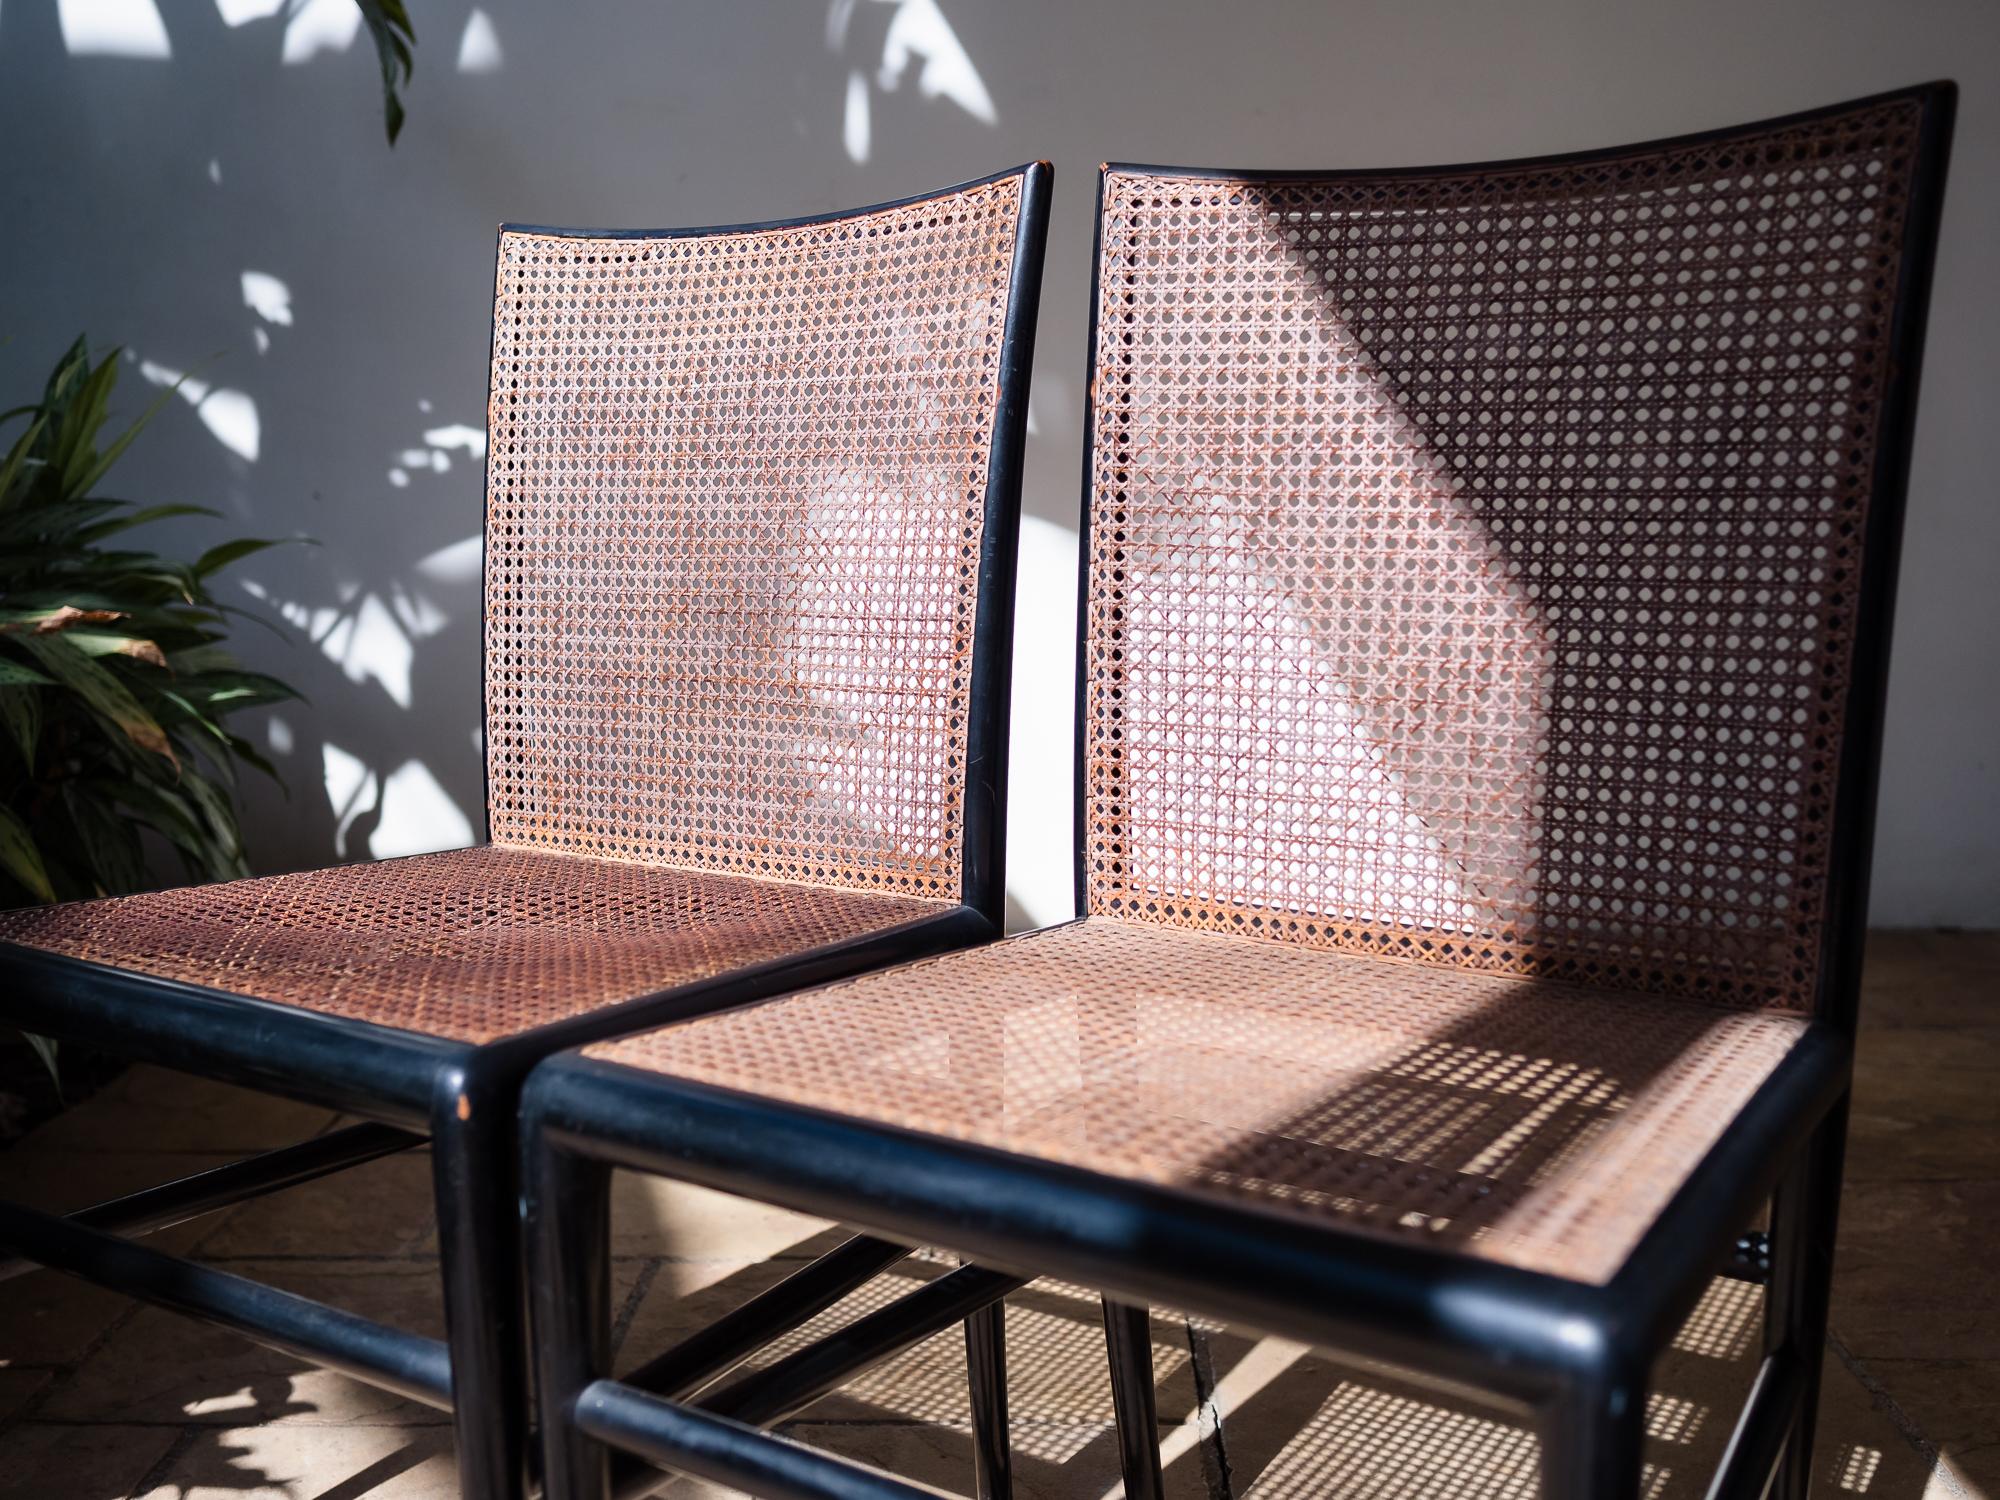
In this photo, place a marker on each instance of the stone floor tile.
(1954, 1404)
(1859, 1449)
(155, 1109)
(382, 1208)
(19, 1385)
(654, 1216)
(39, 1461)
(50, 1319)
(288, 1462)
(1927, 978)
(1913, 1279)
(1925, 1105)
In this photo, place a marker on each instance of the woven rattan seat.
(471, 945)
(1539, 1124)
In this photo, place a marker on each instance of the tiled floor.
(101, 1399)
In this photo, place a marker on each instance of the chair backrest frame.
(981, 786)
(1832, 989)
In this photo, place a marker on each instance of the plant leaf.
(105, 694)
(14, 674)
(251, 756)
(75, 453)
(103, 643)
(389, 26)
(111, 455)
(48, 622)
(139, 518)
(210, 657)
(228, 552)
(21, 707)
(17, 456)
(22, 859)
(221, 820)
(226, 692)
(106, 843)
(69, 369)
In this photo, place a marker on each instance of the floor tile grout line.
(1878, 1393)
(31, 1409)
(1214, 1448)
(628, 1310)
(159, 1473)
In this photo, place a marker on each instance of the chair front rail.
(407, 1364)
(668, 1434)
(1436, 1313)
(371, 1070)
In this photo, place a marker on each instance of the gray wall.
(139, 189)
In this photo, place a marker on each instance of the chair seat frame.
(1572, 1358)
(463, 1098)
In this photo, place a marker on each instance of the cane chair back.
(738, 520)
(1475, 557)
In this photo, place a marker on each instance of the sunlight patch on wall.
(230, 416)
(435, 456)
(854, 123)
(921, 31)
(319, 26)
(479, 45)
(417, 814)
(238, 12)
(368, 637)
(1041, 849)
(268, 297)
(919, 40)
(458, 563)
(113, 28)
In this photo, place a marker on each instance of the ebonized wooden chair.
(752, 499)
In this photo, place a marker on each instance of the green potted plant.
(116, 685)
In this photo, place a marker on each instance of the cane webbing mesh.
(470, 945)
(1493, 1113)
(736, 494)
(1474, 555)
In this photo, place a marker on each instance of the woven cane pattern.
(1542, 1125)
(470, 945)
(735, 502)
(1474, 555)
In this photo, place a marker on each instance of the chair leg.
(1593, 1440)
(1804, 1214)
(986, 1376)
(568, 1227)
(475, 1171)
(1128, 1341)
